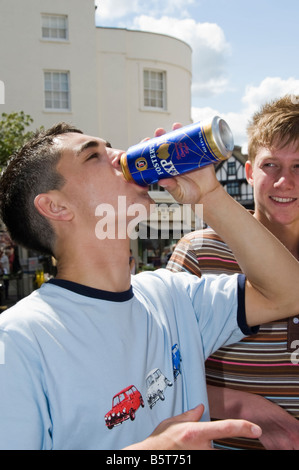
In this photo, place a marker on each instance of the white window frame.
(154, 89)
(57, 90)
(55, 25)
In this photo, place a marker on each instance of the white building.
(56, 65)
(119, 84)
(48, 60)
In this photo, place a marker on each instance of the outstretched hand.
(185, 432)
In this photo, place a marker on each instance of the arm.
(280, 429)
(185, 432)
(253, 246)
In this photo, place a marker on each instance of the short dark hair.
(32, 171)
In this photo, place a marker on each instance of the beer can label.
(177, 152)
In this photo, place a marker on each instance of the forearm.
(227, 403)
(280, 429)
(185, 431)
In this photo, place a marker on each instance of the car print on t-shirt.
(128, 400)
(156, 383)
(124, 406)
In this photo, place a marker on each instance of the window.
(154, 89)
(55, 27)
(233, 188)
(57, 91)
(231, 168)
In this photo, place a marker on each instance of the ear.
(49, 205)
(249, 172)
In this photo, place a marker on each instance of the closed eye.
(93, 155)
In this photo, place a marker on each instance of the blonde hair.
(275, 125)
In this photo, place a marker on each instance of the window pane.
(46, 32)
(48, 99)
(233, 188)
(146, 79)
(61, 34)
(48, 83)
(154, 89)
(146, 98)
(231, 168)
(64, 100)
(57, 93)
(61, 23)
(46, 21)
(54, 27)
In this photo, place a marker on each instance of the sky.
(244, 52)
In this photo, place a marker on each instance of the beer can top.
(223, 136)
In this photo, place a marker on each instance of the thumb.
(171, 185)
(193, 415)
(183, 188)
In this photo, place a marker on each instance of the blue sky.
(245, 52)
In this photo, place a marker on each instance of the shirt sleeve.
(25, 422)
(241, 313)
(184, 259)
(219, 306)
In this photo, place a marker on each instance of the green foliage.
(13, 133)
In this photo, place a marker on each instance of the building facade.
(48, 61)
(144, 82)
(231, 174)
(56, 65)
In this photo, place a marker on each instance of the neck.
(288, 235)
(104, 265)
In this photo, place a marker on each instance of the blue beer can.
(185, 149)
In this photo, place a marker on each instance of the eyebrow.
(91, 144)
(87, 145)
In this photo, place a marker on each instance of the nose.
(285, 180)
(114, 157)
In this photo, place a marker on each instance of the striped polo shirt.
(267, 363)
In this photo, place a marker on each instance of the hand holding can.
(177, 152)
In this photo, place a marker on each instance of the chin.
(280, 219)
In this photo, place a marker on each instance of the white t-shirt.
(82, 368)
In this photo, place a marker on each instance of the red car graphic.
(124, 406)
